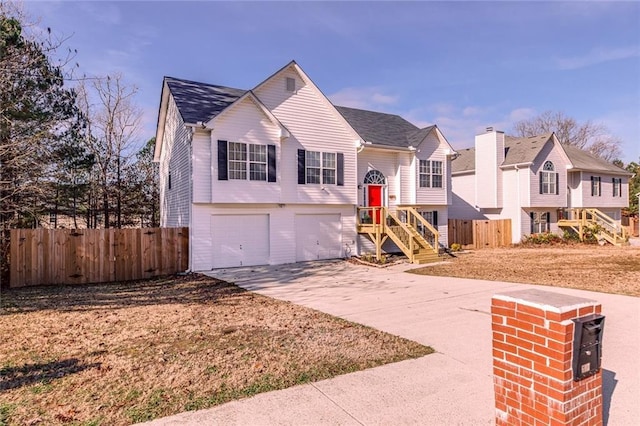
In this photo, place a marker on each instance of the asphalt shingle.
(199, 101)
(383, 129)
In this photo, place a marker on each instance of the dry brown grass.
(123, 353)
(605, 269)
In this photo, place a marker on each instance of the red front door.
(375, 200)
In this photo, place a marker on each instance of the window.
(53, 217)
(290, 84)
(430, 174)
(257, 162)
(320, 167)
(548, 179)
(328, 168)
(617, 187)
(169, 178)
(431, 217)
(237, 160)
(596, 186)
(313, 167)
(540, 222)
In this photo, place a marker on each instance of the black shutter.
(592, 189)
(222, 160)
(435, 219)
(271, 163)
(340, 170)
(532, 216)
(301, 167)
(557, 183)
(540, 178)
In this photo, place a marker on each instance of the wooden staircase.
(583, 221)
(416, 237)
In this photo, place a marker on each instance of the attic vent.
(291, 84)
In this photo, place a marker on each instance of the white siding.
(314, 126)
(433, 149)
(606, 199)
(489, 156)
(201, 152)
(464, 197)
(244, 123)
(407, 170)
(550, 152)
(174, 158)
(282, 233)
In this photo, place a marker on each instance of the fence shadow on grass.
(182, 290)
(29, 374)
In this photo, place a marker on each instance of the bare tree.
(111, 135)
(592, 137)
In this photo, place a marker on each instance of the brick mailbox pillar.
(533, 373)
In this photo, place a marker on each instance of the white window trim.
(429, 174)
(321, 168)
(247, 162)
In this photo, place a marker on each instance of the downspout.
(519, 215)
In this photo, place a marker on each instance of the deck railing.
(406, 228)
(610, 230)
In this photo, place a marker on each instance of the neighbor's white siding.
(489, 156)
(606, 199)
(174, 159)
(464, 197)
(282, 238)
(314, 126)
(550, 152)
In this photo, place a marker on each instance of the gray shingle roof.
(525, 150)
(516, 151)
(200, 101)
(383, 129)
(582, 160)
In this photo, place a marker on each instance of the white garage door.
(318, 237)
(239, 240)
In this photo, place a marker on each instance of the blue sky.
(461, 65)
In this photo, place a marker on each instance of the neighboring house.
(538, 183)
(277, 174)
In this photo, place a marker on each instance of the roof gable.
(200, 101)
(384, 129)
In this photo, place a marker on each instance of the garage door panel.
(239, 240)
(318, 237)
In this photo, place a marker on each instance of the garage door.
(239, 240)
(318, 237)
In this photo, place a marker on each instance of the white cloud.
(520, 114)
(597, 56)
(363, 98)
(106, 13)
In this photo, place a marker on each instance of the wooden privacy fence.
(476, 234)
(80, 256)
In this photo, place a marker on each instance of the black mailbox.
(587, 345)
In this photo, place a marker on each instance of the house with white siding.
(538, 183)
(278, 174)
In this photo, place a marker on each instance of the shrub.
(456, 247)
(542, 238)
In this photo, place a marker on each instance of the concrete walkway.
(452, 386)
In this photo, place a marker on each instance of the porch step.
(426, 257)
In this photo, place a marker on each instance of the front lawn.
(129, 352)
(587, 267)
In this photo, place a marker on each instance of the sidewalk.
(452, 386)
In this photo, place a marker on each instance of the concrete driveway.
(452, 386)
